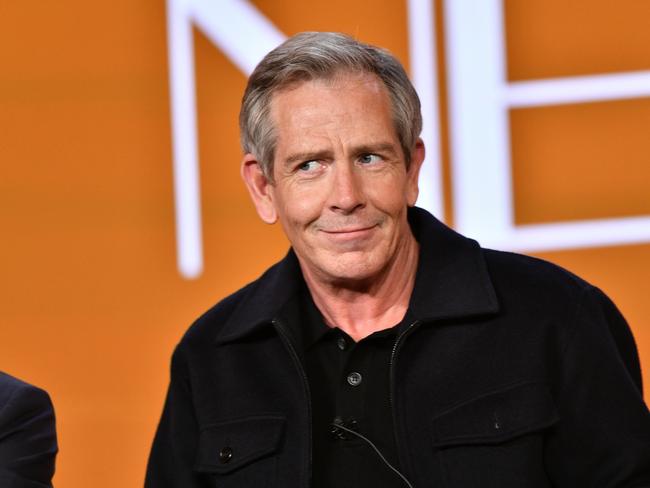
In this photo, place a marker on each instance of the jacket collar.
(452, 281)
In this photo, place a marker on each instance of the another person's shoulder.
(27, 433)
(17, 393)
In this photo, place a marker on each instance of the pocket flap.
(227, 446)
(497, 416)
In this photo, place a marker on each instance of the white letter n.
(245, 36)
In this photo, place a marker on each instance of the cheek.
(390, 195)
(300, 206)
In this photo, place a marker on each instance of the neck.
(378, 303)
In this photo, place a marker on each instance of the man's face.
(341, 188)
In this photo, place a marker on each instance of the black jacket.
(28, 444)
(516, 374)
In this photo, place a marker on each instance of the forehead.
(346, 106)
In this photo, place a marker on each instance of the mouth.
(350, 232)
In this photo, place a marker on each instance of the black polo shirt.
(349, 382)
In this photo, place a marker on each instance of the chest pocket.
(240, 452)
(496, 440)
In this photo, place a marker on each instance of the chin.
(351, 267)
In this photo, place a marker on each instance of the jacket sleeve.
(173, 452)
(28, 443)
(603, 435)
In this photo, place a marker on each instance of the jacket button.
(341, 343)
(225, 455)
(354, 379)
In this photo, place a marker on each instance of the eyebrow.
(306, 156)
(380, 147)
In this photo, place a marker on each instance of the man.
(28, 444)
(385, 349)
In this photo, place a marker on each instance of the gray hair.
(322, 55)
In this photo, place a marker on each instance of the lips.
(350, 236)
(350, 230)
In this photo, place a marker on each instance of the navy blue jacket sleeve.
(173, 455)
(28, 443)
(603, 435)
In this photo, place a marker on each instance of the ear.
(417, 158)
(259, 188)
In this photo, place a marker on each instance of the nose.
(346, 194)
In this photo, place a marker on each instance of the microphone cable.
(375, 448)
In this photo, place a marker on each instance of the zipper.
(391, 368)
(282, 332)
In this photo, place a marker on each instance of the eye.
(309, 166)
(369, 158)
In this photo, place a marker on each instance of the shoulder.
(252, 304)
(539, 296)
(16, 395)
(28, 434)
(536, 291)
(25, 410)
(210, 323)
(527, 278)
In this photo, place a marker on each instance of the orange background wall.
(91, 303)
